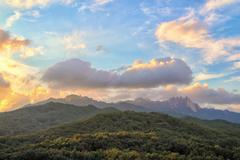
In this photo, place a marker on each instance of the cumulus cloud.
(192, 33)
(76, 73)
(188, 32)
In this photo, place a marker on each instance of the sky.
(116, 50)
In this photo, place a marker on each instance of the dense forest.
(128, 136)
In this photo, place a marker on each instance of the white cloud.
(74, 41)
(233, 79)
(34, 13)
(27, 4)
(94, 6)
(102, 2)
(67, 2)
(236, 65)
(212, 5)
(12, 19)
(207, 76)
(234, 57)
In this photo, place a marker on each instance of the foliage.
(125, 136)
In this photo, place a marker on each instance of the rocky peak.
(184, 102)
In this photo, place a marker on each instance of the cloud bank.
(200, 93)
(75, 73)
(204, 94)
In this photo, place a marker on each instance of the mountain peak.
(184, 102)
(73, 96)
(139, 99)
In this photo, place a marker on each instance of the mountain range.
(176, 106)
(53, 112)
(77, 127)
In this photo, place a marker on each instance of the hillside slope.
(125, 136)
(39, 117)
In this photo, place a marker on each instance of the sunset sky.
(120, 49)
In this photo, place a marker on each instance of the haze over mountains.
(176, 106)
(53, 112)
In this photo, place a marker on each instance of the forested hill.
(36, 118)
(128, 136)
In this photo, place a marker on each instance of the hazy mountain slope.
(35, 118)
(76, 100)
(212, 114)
(232, 129)
(84, 101)
(125, 136)
(176, 106)
(183, 106)
(125, 106)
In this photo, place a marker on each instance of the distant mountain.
(84, 101)
(38, 117)
(76, 100)
(176, 106)
(183, 106)
(128, 136)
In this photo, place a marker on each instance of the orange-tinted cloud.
(190, 32)
(9, 44)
